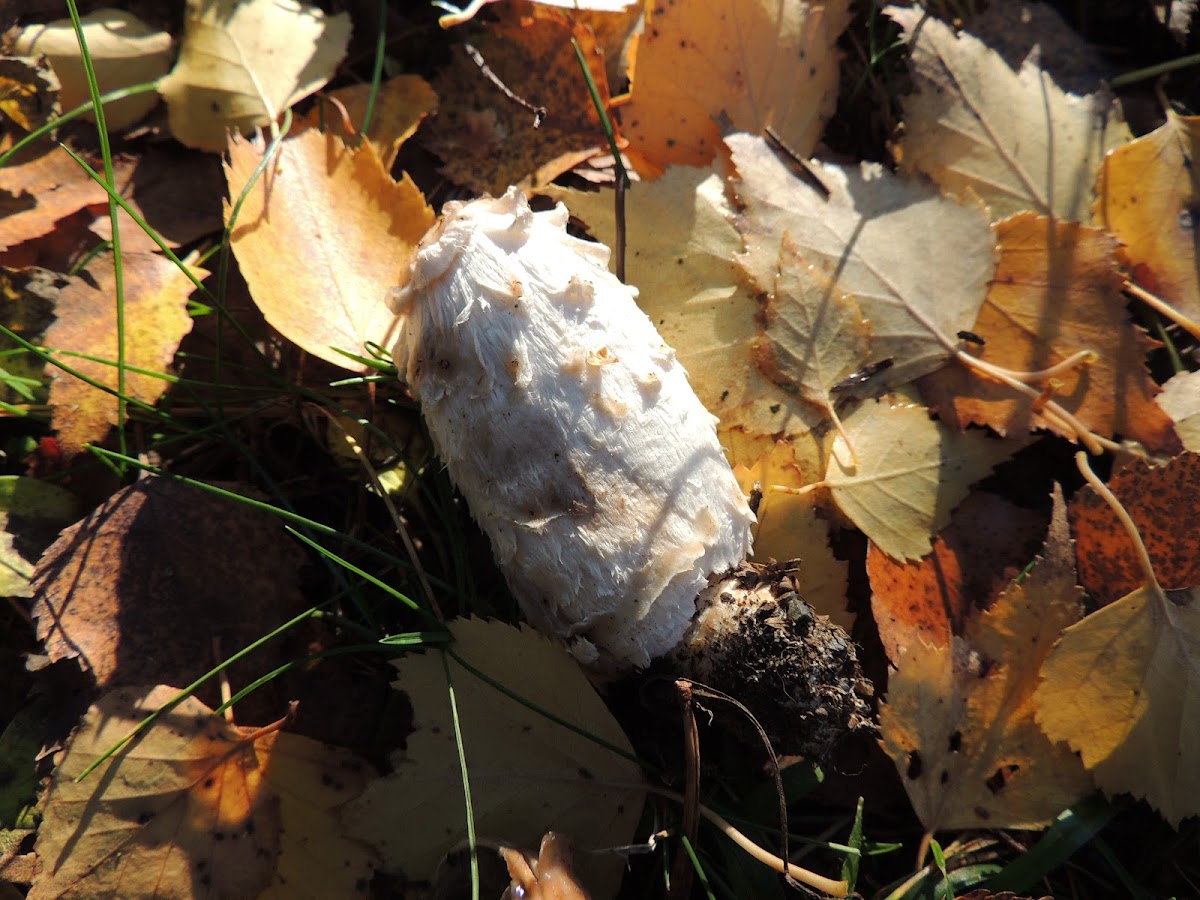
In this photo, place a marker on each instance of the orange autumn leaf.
(959, 721)
(323, 235)
(485, 139)
(1164, 503)
(928, 601)
(401, 104)
(156, 319)
(1056, 293)
(195, 807)
(757, 64)
(1146, 196)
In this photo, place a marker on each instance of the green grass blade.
(1071, 830)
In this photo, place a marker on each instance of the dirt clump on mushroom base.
(755, 639)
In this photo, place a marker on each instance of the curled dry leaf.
(528, 773)
(321, 238)
(156, 319)
(243, 63)
(1013, 138)
(125, 51)
(195, 807)
(911, 473)
(1056, 295)
(916, 263)
(1146, 195)
(754, 63)
(1164, 503)
(959, 718)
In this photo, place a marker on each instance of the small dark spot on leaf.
(915, 765)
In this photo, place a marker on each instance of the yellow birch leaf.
(1013, 138)
(243, 63)
(1122, 687)
(29, 91)
(196, 807)
(1180, 399)
(751, 62)
(321, 238)
(156, 320)
(528, 775)
(125, 51)
(959, 719)
(1146, 196)
(912, 471)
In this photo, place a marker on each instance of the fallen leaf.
(321, 238)
(124, 50)
(1055, 294)
(1164, 503)
(229, 570)
(753, 64)
(175, 190)
(1180, 399)
(156, 319)
(813, 335)
(28, 91)
(1013, 138)
(697, 299)
(195, 807)
(486, 141)
(1121, 688)
(912, 471)
(242, 64)
(788, 527)
(401, 104)
(917, 264)
(1146, 194)
(27, 300)
(959, 719)
(36, 195)
(528, 775)
(928, 601)
(32, 512)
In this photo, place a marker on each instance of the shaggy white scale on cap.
(570, 428)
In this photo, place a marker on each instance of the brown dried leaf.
(930, 600)
(28, 91)
(321, 238)
(156, 319)
(195, 807)
(1164, 503)
(1015, 139)
(753, 63)
(486, 141)
(1057, 292)
(959, 719)
(229, 571)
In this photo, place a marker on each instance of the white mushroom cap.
(570, 429)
